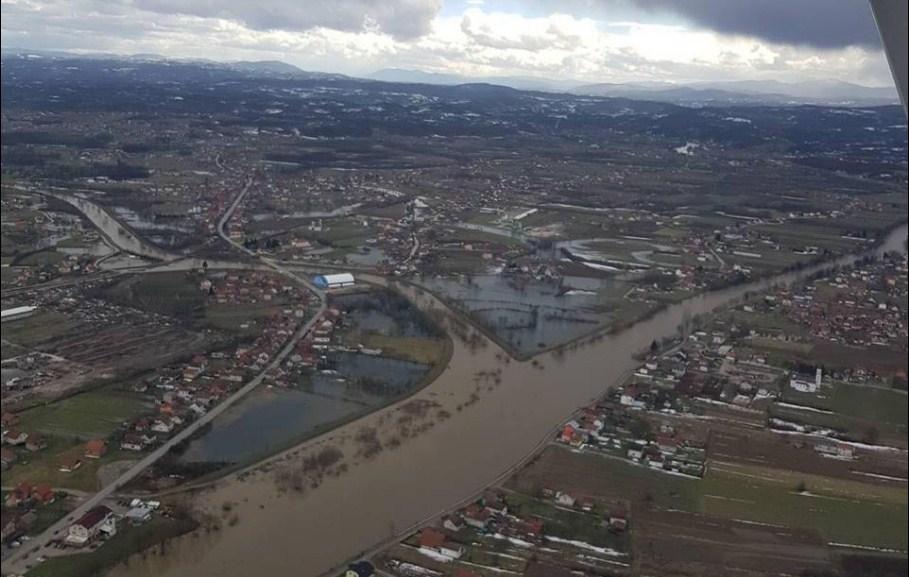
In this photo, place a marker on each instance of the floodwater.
(333, 213)
(271, 419)
(306, 535)
(265, 422)
(363, 312)
(170, 234)
(583, 250)
(530, 315)
(366, 256)
(491, 229)
(113, 229)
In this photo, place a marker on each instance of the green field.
(50, 514)
(471, 236)
(841, 511)
(872, 404)
(167, 293)
(128, 541)
(599, 476)
(461, 261)
(44, 466)
(344, 233)
(37, 328)
(95, 414)
(417, 349)
(229, 317)
(43, 258)
(877, 521)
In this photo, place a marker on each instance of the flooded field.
(347, 384)
(334, 213)
(477, 429)
(532, 315)
(267, 421)
(396, 374)
(272, 418)
(367, 313)
(366, 256)
(168, 234)
(113, 229)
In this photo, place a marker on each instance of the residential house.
(15, 438)
(35, 442)
(528, 528)
(21, 493)
(70, 464)
(7, 457)
(618, 520)
(477, 516)
(565, 499)
(9, 420)
(135, 442)
(98, 521)
(433, 542)
(453, 523)
(44, 494)
(16, 523)
(95, 449)
(495, 502)
(163, 425)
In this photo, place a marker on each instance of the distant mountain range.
(421, 77)
(734, 92)
(831, 92)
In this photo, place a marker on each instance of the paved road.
(18, 561)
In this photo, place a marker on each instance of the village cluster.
(491, 533)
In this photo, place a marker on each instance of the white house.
(804, 385)
(87, 527)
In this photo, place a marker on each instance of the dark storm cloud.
(818, 23)
(400, 18)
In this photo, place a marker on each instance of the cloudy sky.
(583, 40)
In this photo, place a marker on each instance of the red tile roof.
(93, 517)
(431, 538)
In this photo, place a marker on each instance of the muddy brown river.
(491, 427)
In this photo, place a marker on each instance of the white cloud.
(399, 18)
(473, 41)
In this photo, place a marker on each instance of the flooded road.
(491, 425)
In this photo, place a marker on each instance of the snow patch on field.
(587, 546)
(879, 476)
(866, 548)
(804, 408)
(411, 569)
(514, 541)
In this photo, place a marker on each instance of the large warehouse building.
(16, 313)
(334, 281)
